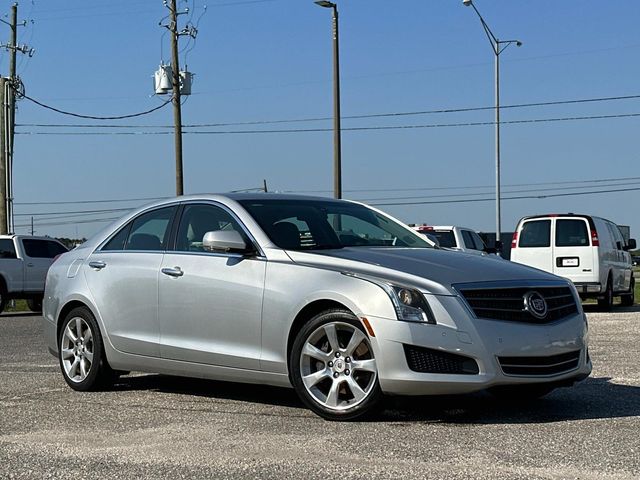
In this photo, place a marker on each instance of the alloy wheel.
(337, 366)
(77, 349)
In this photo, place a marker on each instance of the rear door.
(123, 278)
(534, 244)
(573, 254)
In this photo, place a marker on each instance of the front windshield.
(320, 224)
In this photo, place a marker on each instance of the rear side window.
(446, 238)
(7, 249)
(42, 248)
(536, 233)
(572, 233)
(148, 232)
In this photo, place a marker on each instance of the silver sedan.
(334, 298)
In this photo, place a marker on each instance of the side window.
(535, 234)
(468, 240)
(150, 231)
(7, 249)
(56, 249)
(118, 240)
(446, 238)
(199, 219)
(618, 239)
(572, 233)
(478, 241)
(35, 248)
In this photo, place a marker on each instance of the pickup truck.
(24, 261)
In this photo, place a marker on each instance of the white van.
(589, 251)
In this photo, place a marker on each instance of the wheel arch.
(307, 313)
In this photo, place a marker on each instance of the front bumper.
(482, 340)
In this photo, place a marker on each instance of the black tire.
(99, 374)
(3, 298)
(520, 393)
(605, 303)
(629, 299)
(335, 366)
(35, 304)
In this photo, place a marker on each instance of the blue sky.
(271, 60)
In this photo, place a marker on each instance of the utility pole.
(11, 113)
(177, 107)
(8, 87)
(4, 224)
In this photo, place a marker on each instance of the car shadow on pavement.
(593, 308)
(595, 398)
(263, 394)
(20, 314)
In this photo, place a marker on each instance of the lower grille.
(427, 360)
(540, 366)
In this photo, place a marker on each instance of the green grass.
(18, 306)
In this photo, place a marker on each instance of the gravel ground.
(155, 427)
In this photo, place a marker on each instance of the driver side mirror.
(631, 244)
(225, 241)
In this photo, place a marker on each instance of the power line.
(348, 117)
(492, 199)
(110, 210)
(93, 117)
(150, 199)
(505, 192)
(351, 129)
(467, 187)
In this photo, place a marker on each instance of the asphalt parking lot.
(152, 426)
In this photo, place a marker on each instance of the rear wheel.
(333, 368)
(605, 303)
(629, 299)
(81, 352)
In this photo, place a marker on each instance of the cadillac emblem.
(535, 304)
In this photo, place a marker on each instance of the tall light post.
(337, 149)
(498, 46)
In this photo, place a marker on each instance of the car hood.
(434, 271)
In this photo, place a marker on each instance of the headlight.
(410, 304)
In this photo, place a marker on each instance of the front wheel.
(35, 304)
(333, 368)
(629, 299)
(81, 352)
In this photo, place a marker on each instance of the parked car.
(334, 298)
(635, 260)
(24, 261)
(456, 238)
(589, 251)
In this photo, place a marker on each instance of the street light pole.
(337, 141)
(498, 46)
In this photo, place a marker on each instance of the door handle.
(173, 272)
(29, 264)
(97, 264)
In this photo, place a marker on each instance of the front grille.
(508, 303)
(540, 366)
(427, 360)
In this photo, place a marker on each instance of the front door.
(210, 303)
